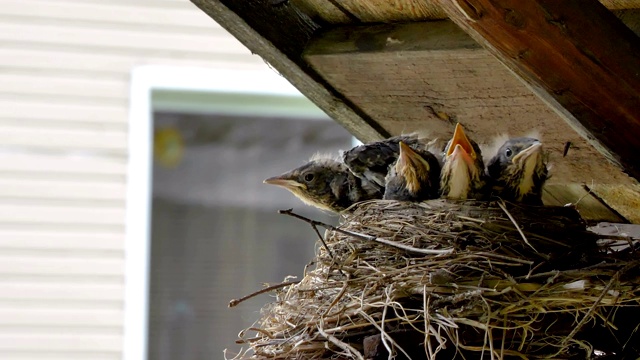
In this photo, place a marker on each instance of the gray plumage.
(518, 171)
(415, 176)
(326, 184)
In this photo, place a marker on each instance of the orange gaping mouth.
(459, 138)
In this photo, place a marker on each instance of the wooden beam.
(427, 76)
(278, 32)
(575, 55)
(590, 207)
(384, 11)
(624, 199)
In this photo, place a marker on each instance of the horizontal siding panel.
(46, 317)
(112, 66)
(60, 304)
(107, 12)
(62, 342)
(47, 138)
(37, 84)
(33, 240)
(19, 213)
(33, 109)
(43, 292)
(59, 355)
(65, 100)
(61, 190)
(60, 265)
(120, 39)
(56, 164)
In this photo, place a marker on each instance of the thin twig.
(326, 247)
(368, 237)
(587, 316)
(504, 208)
(338, 297)
(342, 345)
(235, 302)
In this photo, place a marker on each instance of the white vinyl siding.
(65, 68)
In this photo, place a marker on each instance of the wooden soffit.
(425, 74)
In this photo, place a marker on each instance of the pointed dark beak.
(285, 180)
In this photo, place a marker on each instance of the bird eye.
(508, 152)
(308, 177)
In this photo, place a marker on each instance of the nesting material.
(503, 281)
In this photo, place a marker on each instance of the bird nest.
(448, 280)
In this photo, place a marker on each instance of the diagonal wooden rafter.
(575, 55)
(399, 95)
(426, 76)
(278, 32)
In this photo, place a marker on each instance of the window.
(214, 233)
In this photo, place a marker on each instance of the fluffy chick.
(326, 184)
(518, 171)
(414, 176)
(463, 175)
(372, 161)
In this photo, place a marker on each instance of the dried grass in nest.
(504, 281)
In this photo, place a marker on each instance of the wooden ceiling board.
(396, 11)
(425, 77)
(576, 56)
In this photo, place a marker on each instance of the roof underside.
(568, 71)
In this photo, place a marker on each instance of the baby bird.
(519, 170)
(372, 161)
(463, 175)
(326, 184)
(414, 176)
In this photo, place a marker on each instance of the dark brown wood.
(385, 11)
(278, 31)
(576, 55)
(590, 207)
(427, 76)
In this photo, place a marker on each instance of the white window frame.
(191, 90)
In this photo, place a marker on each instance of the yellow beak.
(460, 139)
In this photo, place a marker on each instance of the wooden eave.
(569, 70)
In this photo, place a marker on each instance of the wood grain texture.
(427, 76)
(624, 199)
(372, 11)
(384, 11)
(278, 34)
(588, 74)
(621, 4)
(590, 207)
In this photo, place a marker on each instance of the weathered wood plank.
(625, 199)
(427, 76)
(589, 207)
(384, 11)
(588, 74)
(278, 31)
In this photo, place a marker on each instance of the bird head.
(319, 182)
(519, 168)
(463, 166)
(460, 139)
(412, 167)
(411, 178)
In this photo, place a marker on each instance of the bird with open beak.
(326, 184)
(372, 161)
(413, 177)
(463, 175)
(518, 171)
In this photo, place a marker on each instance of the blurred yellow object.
(168, 146)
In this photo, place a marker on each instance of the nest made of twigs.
(457, 280)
